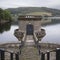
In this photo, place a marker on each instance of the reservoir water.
(52, 34)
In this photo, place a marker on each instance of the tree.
(1, 14)
(5, 15)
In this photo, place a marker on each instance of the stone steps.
(29, 40)
(29, 37)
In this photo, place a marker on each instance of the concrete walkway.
(29, 52)
(29, 40)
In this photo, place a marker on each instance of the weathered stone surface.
(40, 34)
(19, 34)
(29, 53)
(23, 24)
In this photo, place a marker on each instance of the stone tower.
(29, 23)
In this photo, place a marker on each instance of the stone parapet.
(40, 34)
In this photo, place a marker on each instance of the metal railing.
(47, 56)
(12, 55)
(15, 55)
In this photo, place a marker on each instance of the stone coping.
(43, 45)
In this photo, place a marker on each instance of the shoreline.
(2, 22)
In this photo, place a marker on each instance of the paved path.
(29, 40)
(29, 52)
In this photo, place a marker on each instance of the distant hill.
(25, 10)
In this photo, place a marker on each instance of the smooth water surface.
(8, 36)
(52, 34)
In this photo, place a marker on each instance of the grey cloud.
(37, 3)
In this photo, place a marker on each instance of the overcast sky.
(30, 3)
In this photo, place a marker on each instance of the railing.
(29, 17)
(47, 55)
(36, 43)
(35, 38)
(15, 55)
(12, 55)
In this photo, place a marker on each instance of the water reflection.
(53, 22)
(5, 27)
(8, 36)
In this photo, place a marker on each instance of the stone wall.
(23, 24)
(43, 45)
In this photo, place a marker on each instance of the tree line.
(25, 10)
(5, 15)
